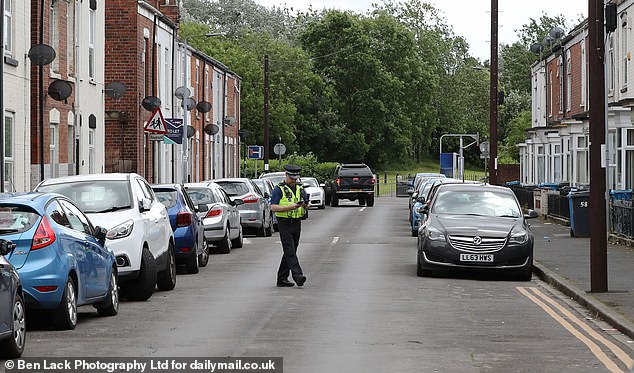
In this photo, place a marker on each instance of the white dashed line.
(362, 209)
(334, 241)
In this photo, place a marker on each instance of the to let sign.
(175, 131)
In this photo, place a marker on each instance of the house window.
(91, 151)
(9, 120)
(91, 44)
(166, 73)
(53, 151)
(560, 75)
(556, 162)
(582, 160)
(70, 37)
(541, 164)
(584, 80)
(54, 33)
(8, 26)
(611, 66)
(568, 81)
(159, 73)
(624, 49)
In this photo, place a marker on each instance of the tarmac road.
(363, 309)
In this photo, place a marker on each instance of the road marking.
(334, 241)
(362, 209)
(594, 348)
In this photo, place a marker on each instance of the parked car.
(190, 247)
(275, 177)
(266, 185)
(61, 258)
(12, 309)
(475, 226)
(255, 213)
(423, 194)
(221, 222)
(139, 231)
(315, 191)
(414, 187)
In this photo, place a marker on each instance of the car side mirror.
(424, 209)
(410, 191)
(420, 199)
(237, 202)
(100, 235)
(202, 208)
(532, 214)
(414, 195)
(267, 195)
(6, 246)
(322, 185)
(145, 204)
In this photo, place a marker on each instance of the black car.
(475, 226)
(12, 311)
(351, 181)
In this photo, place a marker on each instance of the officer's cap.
(292, 170)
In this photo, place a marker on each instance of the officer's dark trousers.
(290, 230)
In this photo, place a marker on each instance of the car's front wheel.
(12, 348)
(110, 305)
(166, 279)
(65, 316)
(224, 246)
(238, 242)
(142, 287)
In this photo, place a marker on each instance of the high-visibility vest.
(289, 198)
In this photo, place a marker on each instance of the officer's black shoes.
(299, 280)
(285, 284)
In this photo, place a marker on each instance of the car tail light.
(355, 179)
(45, 289)
(185, 249)
(250, 198)
(338, 181)
(215, 211)
(183, 219)
(373, 181)
(44, 235)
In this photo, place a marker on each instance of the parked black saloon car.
(475, 226)
(12, 311)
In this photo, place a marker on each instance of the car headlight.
(434, 234)
(122, 230)
(518, 237)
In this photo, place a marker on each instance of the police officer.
(288, 201)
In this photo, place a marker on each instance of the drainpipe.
(224, 114)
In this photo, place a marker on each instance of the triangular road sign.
(156, 124)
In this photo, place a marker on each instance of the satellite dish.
(556, 32)
(150, 103)
(182, 92)
(190, 103)
(548, 40)
(60, 90)
(115, 90)
(191, 131)
(536, 48)
(42, 54)
(203, 106)
(243, 133)
(211, 129)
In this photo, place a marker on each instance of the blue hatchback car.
(59, 255)
(190, 247)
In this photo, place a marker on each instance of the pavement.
(564, 262)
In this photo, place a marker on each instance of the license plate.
(482, 258)
(356, 190)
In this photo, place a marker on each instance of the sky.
(470, 19)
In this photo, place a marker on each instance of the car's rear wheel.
(192, 264)
(237, 242)
(370, 201)
(142, 287)
(261, 231)
(65, 316)
(361, 201)
(166, 279)
(12, 348)
(110, 305)
(224, 246)
(323, 205)
(335, 201)
(269, 228)
(203, 258)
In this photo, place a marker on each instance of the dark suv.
(352, 181)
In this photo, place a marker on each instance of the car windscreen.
(310, 182)
(234, 188)
(201, 195)
(275, 179)
(94, 196)
(476, 202)
(167, 197)
(16, 219)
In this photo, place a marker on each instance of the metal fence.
(525, 196)
(621, 218)
(559, 206)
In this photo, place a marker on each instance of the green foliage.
(509, 152)
(309, 164)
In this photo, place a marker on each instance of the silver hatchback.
(255, 213)
(221, 222)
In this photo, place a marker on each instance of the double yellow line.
(551, 307)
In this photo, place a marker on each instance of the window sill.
(11, 61)
(55, 75)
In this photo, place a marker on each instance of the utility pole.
(493, 97)
(597, 97)
(266, 113)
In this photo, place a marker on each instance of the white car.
(139, 230)
(315, 191)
